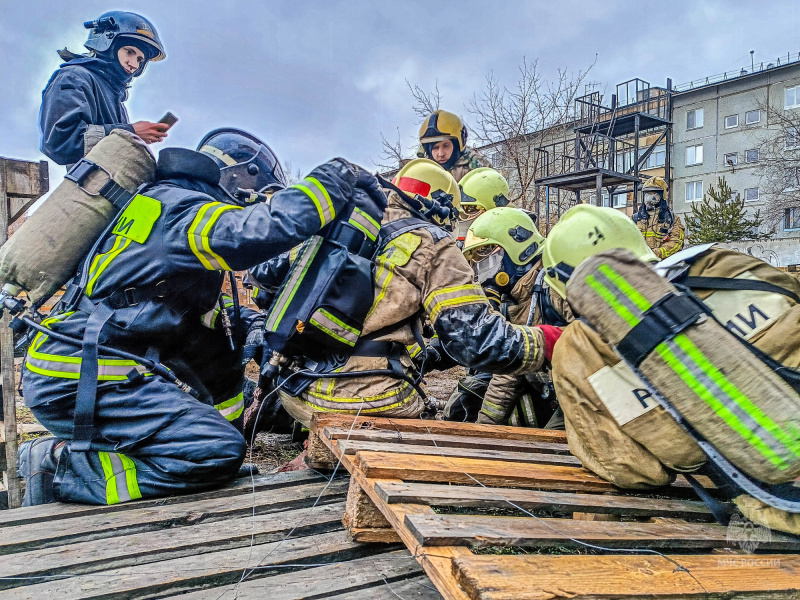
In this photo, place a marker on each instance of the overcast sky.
(317, 79)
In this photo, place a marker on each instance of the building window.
(731, 121)
(751, 156)
(694, 155)
(497, 159)
(731, 159)
(750, 194)
(752, 116)
(621, 200)
(791, 219)
(694, 191)
(792, 97)
(792, 178)
(657, 157)
(694, 118)
(792, 137)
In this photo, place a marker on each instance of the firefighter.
(83, 101)
(662, 229)
(443, 137)
(152, 287)
(504, 247)
(420, 272)
(482, 189)
(614, 425)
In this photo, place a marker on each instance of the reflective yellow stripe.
(312, 188)
(233, 408)
(203, 222)
(383, 276)
(365, 223)
(379, 402)
(101, 262)
(459, 295)
(120, 474)
(334, 327)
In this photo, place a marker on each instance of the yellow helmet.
(425, 178)
(584, 231)
(482, 189)
(443, 125)
(510, 228)
(655, 184)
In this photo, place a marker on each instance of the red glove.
(551, 335)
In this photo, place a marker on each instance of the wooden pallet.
(449, 491)
(198, 546)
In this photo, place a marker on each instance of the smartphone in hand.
(169, 119)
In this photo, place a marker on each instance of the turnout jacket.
(160, 268)
(663, 240)
(81, 104)
(505, 390)
(422, 271)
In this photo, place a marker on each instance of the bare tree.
(293, 175)
(515, 120)
(424, 102)
(392, 155)
(779, 162)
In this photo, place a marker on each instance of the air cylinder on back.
(45, 252)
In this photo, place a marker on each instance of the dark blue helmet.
(119, 25)
(246, 164)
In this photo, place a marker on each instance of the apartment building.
(718, 130)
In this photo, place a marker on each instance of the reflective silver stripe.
(73, 368)
(202, 224)
(364, 222)
(209, 318)
(289, 289)
(120, 480)
(325, 321)
(319, 196)
(231, 409)
(756, 429)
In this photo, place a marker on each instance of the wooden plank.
(321, 420)
(369, 574)
(443, 440)
(461, 495)
(109, 524)
(416, 588)
(481, 531)
(198, 571)
(407, 467)
(385, 535)
(548, 577)
(154, 546)
(52, 512)
(439, 566)
(351, 447)
(25, 178)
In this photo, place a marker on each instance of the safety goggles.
(487, 261)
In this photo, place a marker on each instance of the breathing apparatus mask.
(495, 269)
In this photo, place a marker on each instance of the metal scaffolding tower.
(607, 151)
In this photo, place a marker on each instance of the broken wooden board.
(445, 490)
(279, 532)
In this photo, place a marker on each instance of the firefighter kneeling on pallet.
(151, 287)
(419, 271)
(655, 380)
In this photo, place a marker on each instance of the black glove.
(437, 359)
(369, 183)
(254, 343)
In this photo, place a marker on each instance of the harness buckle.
(81, 171)
(130, 296)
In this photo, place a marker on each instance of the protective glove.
(366, 182)
(438, 359)
(254, 343)
(551, 335)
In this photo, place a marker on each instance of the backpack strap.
(725, 283)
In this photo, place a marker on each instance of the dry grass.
(270, 450)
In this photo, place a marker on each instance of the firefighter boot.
(38, 460)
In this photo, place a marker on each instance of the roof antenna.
(752, 64)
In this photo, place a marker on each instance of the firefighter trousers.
(150, 440)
